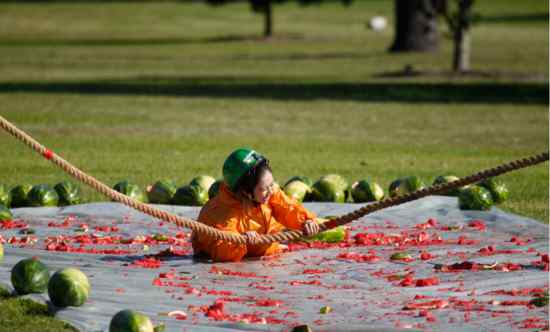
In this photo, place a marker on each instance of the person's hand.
(251, 236)
(310, 228)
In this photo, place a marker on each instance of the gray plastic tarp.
(364, 288)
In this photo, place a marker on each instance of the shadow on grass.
(265, 88)
(525, 18)
(493, 75)
(105, 42)
(19, 313)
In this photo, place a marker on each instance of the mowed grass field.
(144, 91)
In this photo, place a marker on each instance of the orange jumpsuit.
(227, 212)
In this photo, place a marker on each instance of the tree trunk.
(415, 26)
(268, 18)
(461, 56)
(264, 7)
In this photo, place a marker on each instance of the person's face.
(264, 188)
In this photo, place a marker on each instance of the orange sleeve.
(224, 251)
(289, 212)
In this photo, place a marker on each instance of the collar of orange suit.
(236, 199)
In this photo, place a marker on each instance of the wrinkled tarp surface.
(131, 265)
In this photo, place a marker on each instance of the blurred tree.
(265, 7)
(459, 20)
(416, 25)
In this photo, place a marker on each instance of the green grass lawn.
(166, 90)
(25, 315)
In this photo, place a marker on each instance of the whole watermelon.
(43, 195)
(68, 192)
(214, 189)
(203, 181)
(497, 188)
(162, 192)
(303, 179)
(130, 321)
(5, 213)
(339, 181)
(130, 189)
(68, 287)
(475, 198)
(5, 196)
(365, 191)
(297, 190)
(443, 179)
(191, 196)
(405, 186)
(30, 276)
(327, 191)
(341, 184)
(20, 195)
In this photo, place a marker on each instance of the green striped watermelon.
(130, 321)
(190, 195)
(68, 287)
(203, 181)
(365, 191)
(20, 195)
(405, 186)
(475, 198)
(30, 276)
(328, 191)
(162, 192)
(130, 189)
(43, 195)
(69, 193)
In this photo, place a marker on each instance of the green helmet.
(239, 162)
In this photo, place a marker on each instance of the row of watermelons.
(63, 193)
(328, 188)
(334, 188)
(196, 193)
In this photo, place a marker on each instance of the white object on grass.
(378, 23)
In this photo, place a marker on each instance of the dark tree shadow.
(410, 72)
(127, 41)
(268, 88)
(523, 18)
(305, 56)
(106, 42)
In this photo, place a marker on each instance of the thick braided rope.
(435, 189)
(392, 201)
(115, 195)
(265, 238)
